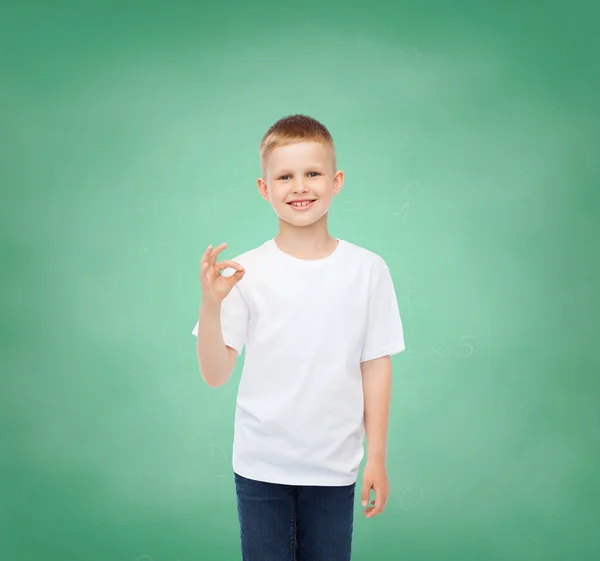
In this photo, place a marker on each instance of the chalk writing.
(411, 497)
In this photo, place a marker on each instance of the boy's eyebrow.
(286, 171)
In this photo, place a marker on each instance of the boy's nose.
(299, 187)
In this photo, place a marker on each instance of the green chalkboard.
(468, 134)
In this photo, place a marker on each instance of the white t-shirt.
(307, 325)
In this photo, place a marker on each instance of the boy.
(319, 319)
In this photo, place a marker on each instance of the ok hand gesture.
(215, 286)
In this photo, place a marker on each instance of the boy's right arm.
(215, 359)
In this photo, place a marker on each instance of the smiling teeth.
(303, 203)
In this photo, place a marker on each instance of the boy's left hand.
(375, 477)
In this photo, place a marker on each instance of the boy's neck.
(305, 243)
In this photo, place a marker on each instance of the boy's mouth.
(301, 204)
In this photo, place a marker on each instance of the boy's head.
(298, 163)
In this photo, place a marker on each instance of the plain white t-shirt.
(307, 325)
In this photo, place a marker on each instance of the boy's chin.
(303, 221)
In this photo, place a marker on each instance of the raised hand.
(215, 286)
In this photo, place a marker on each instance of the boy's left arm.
(377, 389)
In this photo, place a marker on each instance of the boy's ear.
(338, 182)
(262, 188)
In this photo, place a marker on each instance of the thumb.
(236, 277)
(366, 492)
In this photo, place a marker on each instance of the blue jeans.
(294, 523)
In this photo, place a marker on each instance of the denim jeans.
(294, 523)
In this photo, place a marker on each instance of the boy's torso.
(299, 414)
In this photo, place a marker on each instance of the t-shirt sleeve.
(234, 318)
(384, 333)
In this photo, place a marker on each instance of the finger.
(232, 280)
(372, 511)
(237, 276)
(377, 509)
(216, 251)
(204, 263)
(203, 271)
(226, 264)
(366, 491)
(206, 254)
(209, 274)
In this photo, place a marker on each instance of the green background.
(468, 133)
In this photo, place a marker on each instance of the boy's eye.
(309, 173)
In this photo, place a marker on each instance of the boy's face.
(303, 171)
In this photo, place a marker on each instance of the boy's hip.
(280, 522)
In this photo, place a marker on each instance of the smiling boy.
(319, 319)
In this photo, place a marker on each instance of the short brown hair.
(291, 129)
